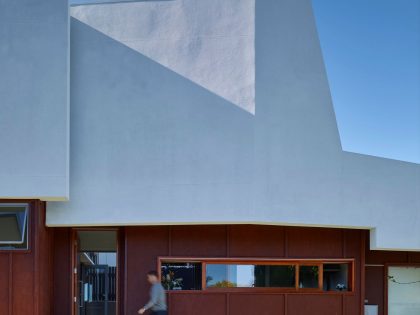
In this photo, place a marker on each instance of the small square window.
(13, 226)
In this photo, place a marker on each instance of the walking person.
(157, 302)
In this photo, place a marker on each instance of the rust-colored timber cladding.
(25, 276)
(376, 262)
(38, 281)
(62, 279)
(143, 246)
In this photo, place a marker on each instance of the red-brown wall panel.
(143, 246)
(198, 304)
(374, 287)
(199, 241)
(353, 247)
(382, 257)
(414, 257)
(121, 271)
(314, 243)
(23, 284)
(298, 304)
(43, 264)
(61, 297)
(4, 283)
(261, 304)
(256, 241)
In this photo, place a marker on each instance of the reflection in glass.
(308, 277)
(336, 277)
(181, 276)
(248, 276)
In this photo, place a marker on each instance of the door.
(95, 272)
(403, 290)
(97, 290)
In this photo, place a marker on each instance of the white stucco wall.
(237, 129)
(210, 43)
(34, 77)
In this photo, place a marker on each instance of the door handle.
(82, 294)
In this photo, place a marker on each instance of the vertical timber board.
(354, 248)
(142, 246)
(4, 283)
(25, 284)
(61, 297)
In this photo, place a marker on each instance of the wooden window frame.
(263, 261)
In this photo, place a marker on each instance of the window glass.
(275, 276)
(248, 276)
(181, 276)
(308, 277)
(336, 277)
(13, 226)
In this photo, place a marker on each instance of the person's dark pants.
(159, 313)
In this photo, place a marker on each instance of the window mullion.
(320, 277)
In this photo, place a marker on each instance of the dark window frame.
(28, 228)
(265, 261)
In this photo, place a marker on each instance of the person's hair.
(152, 273)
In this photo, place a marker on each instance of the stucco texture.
(194, 112)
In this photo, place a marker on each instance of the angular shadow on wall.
(144, 137)
(74, 3)
(210, 43)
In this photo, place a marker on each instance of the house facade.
(198, 139)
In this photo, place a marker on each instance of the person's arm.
(154, 296)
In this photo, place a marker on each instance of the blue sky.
(372, 54)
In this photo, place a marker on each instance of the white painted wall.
(210, 43)
(34, 105)
(166, 131)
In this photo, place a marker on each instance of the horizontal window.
(13, 226)
(236, 274)
(250, 276)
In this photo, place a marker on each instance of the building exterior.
(197, 138)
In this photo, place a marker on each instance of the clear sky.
(372, 54)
